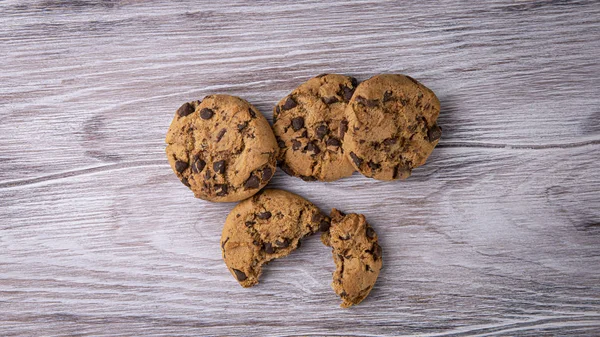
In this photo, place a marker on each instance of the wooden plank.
(498, 234)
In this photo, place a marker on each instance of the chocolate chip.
(252, 182)
(239, 275)
(296, 145)
(277, 109)
(288, 170)
(185, 181)
(267, 173)
(304, 134)
(343, 128)
(308, 178)
(354, 81)
(219, 167)
(390, 141)
(280, 143)
(321, 131)
(180, 166)
(206, 113)
(358, 161)
(387, 96)
(198, 165)
(264, 215)
(268, 248)
(250, 223)
(221, 134)
(185, 110)
(376, 251)
(252, 113)
(371, 103)
(324, 225)
(312, 147)
(222, 189)
(434, 133)
(333, 142)
(317, 217)
(282, 244)
(330, 100)
(297, 123)
(289, 104)
(370, 233)
(347, 92)
(242, 126)
(374, 166)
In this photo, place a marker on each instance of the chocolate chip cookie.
(310, 125)
(357, 256)
(391, 126)
(265, 227)
(222, 148)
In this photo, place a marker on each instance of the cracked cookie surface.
(357, 256)
(309, 124)
(391, 126)
(267, 226)
(222, 148)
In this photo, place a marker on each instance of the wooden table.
(498, 234)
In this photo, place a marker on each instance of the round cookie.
(356, 254)
(222, 148)
(265, 227)
(308, 130)
(391, 126)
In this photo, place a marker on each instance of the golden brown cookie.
(265, 227)
(307, 128)
(222, 148)
(391, 126)
(357, 256)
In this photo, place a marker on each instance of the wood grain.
(498, 234)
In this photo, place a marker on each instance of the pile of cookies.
(224, 150)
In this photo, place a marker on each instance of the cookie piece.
(265, 227)
(222, 148)
(309, 126)
(391, 126)
(356, 254)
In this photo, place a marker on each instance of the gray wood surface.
(498, 234)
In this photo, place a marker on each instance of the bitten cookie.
(265, 227)
(356, 254)
(222, 148)
(309, 126)
(391, 126)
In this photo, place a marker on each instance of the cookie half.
(265, 227)
(357, 256)
(222, 148)
(391, 126)
(309, 125)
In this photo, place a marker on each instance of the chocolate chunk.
(277, 109)
(221, 134)
(207, 174)
(198, 165)
(297, 123)
(358, 161)
(376, 251)
(330, 100)
(222, 189)
(387, 96)
(206, 113)
(343, 128)
(180, 166)
(371, 103)
(288, 170)
(374, 166)
(289, 104)
(304, 134)
(354, 81)
(239, 275)
(434, 133)
(268, 248)
(390, 141)
(252, 113)
(242, 126)
(296, 145)
(267, 173)
(219, 167)
(321, 131)
(333, 142)
(308, 178)
(252, 182)
(347, 92)
(185, 181)
(283, 243)
(370, 233)
(264, 215)
(324, 225)
(280, 143)
(185, 110)
(312, 147)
